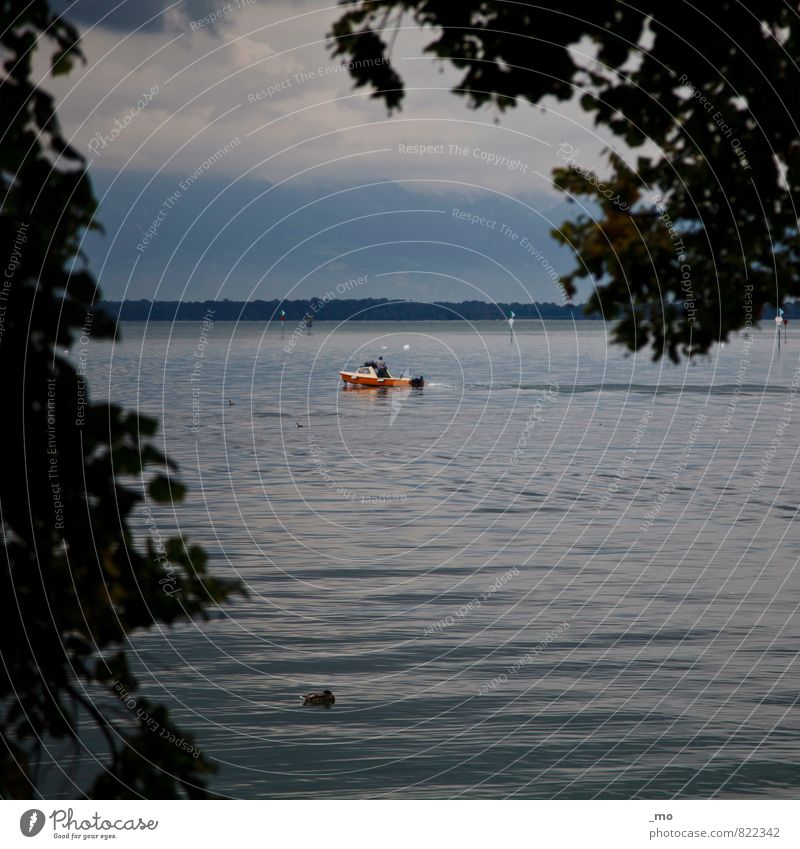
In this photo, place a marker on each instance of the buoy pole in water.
(283, 323)
(511, 326)
(778, 325)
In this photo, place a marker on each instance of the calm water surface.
(556, 571)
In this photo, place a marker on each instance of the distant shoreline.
(517, 320)
(367, 309)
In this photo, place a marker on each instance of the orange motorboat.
(370, 375)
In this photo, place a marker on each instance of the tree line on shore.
(364, 309)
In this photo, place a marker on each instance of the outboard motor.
(418, 382)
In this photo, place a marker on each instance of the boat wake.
(626, 388)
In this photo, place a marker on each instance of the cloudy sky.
(232, 158)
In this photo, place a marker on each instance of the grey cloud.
(130, 15)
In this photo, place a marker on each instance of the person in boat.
(381, 368)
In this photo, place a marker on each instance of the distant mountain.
(247, 239)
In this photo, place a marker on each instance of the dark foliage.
(713, 85)
(73, 586)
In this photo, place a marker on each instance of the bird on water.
(326, 698)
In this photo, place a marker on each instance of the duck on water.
(325, 698)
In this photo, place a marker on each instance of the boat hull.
(370, 381)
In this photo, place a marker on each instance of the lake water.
(556, 571)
